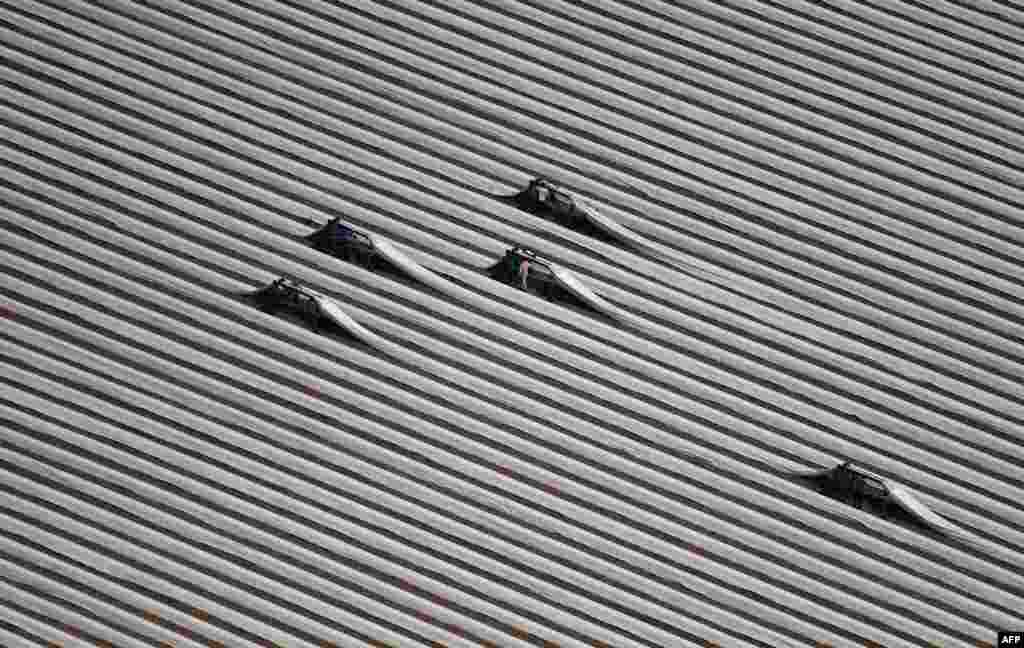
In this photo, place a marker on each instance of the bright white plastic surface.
(333, 312)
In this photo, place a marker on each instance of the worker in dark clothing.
(343, 233)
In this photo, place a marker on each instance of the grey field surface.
(830, 194)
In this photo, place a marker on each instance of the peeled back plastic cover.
(333, 312)
(584, 294)
(912, 505)
(393, 255)
(902, 497)
(614, 228)
(636, 241)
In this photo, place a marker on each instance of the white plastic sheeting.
(330, 309)
(569, 281)
(493, 467)
(912, 505)
(632, 239)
